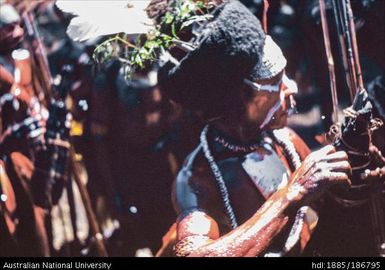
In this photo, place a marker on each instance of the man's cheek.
(279, 120)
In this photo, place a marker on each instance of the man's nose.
(286, 103)
(17, 31)
(288, 86)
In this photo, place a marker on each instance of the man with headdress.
(238, 189)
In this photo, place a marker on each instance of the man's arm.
(198, 233)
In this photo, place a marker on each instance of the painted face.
(271, 101)
(288, 106)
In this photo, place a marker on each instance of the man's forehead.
(264, 96)
(276, 79)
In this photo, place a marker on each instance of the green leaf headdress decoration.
(161, 26)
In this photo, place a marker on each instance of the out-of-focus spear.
(342, 46)
(40, 61)
(360, 83)
(265, 9)
(330, 60)
(347, 46)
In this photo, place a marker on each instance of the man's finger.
(370, 174)
(321, 153)
(328, 149)
(339, 166)
(339, 177)
(336, 156)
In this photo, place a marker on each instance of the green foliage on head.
(146, 49)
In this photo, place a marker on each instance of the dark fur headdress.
(228, 50)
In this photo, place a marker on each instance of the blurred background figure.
(23, 126)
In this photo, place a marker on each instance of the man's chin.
(10, 45)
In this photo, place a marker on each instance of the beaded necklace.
(236, 148)
(282, 138)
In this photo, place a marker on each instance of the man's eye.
(278, 83)
(8, 27)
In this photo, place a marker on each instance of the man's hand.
(321, 168)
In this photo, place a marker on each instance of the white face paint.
(273, 110)
(271, 88)
(291, 85)
(291, 88)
